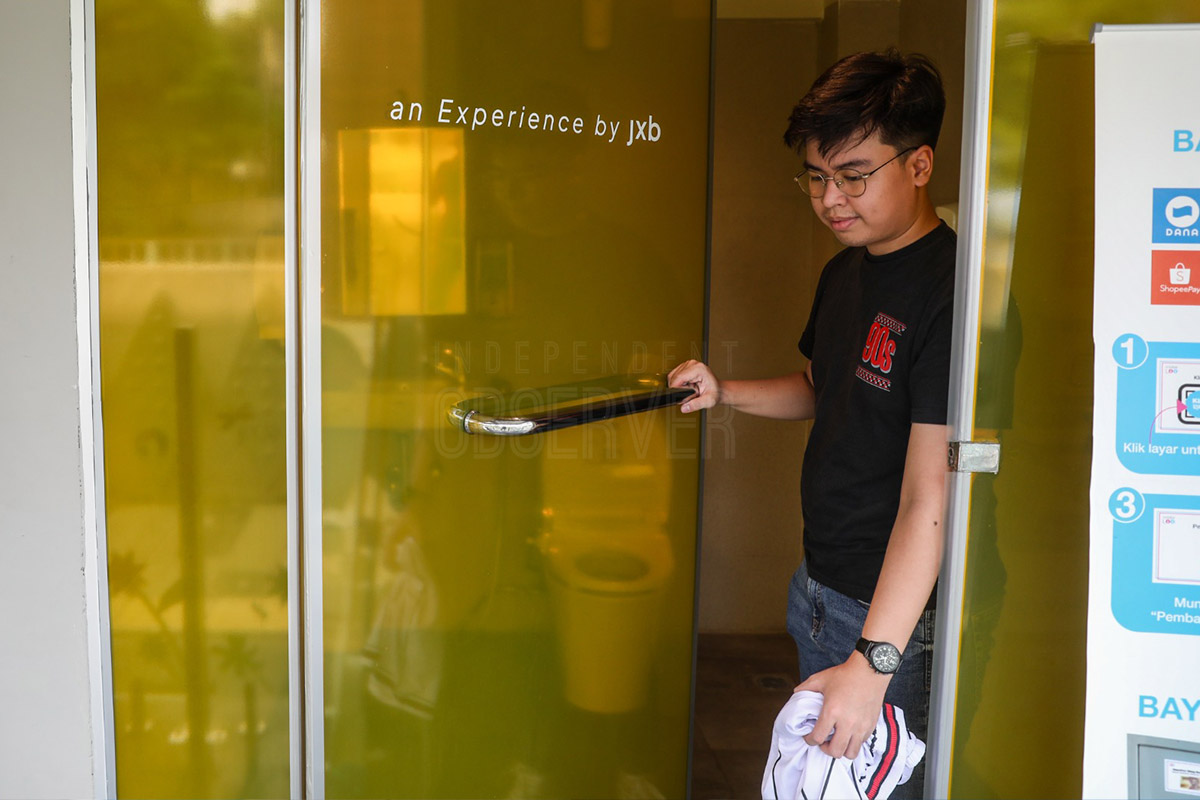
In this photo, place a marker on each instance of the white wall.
(45, 717)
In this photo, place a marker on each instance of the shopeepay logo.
(1175, 278)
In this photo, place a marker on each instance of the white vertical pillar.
(53, 727)
(310, 398)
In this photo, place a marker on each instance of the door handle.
(564, 406)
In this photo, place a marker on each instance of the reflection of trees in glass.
(239, 659)
(126, 577)
(236, 655)
(190, 114)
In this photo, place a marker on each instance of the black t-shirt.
(879, 342)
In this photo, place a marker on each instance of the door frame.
(305, 301)
(98, 616)
(972, 230)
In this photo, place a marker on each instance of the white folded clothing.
(796, 769)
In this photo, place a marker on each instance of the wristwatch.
(884, 657)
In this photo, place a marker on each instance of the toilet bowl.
(607, 582)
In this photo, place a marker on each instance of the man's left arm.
(853, 690)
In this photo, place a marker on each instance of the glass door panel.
(513, 197)
(190, 137)
(1022, 653)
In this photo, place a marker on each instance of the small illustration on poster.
(1179, 395)
(1156, 562)
(1158, 405)
(1182, 777)
(1177, 547)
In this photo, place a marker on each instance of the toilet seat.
(616, 559)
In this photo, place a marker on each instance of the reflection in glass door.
(512, 196)
(193, 228)
(505, 197)
(1024, 598)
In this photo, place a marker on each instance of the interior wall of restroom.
(767, 253)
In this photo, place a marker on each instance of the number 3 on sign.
(1126, 504)
(1130, 351)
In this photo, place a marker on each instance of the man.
(876, 387)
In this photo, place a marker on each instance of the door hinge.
(974, 457)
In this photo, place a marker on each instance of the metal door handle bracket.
(974, 457)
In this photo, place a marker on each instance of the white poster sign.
(1142, 732)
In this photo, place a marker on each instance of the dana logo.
(1176, 216)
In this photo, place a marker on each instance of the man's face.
(886, 216)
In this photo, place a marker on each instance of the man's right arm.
(786, 397)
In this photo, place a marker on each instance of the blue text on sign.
(1179, 708)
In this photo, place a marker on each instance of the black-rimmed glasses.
(849, 182)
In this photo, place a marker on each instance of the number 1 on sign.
(1130, 351)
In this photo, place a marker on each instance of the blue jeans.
(826, 625)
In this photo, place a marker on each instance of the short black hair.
(900, 97)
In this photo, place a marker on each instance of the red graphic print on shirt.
(878, 352)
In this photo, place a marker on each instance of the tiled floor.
(741, 683)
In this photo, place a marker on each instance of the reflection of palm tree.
(125, 577)
(240, 659)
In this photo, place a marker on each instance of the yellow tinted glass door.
(1018, 729)
(190, 139)
(512, 197)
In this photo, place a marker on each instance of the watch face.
(885, 657)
